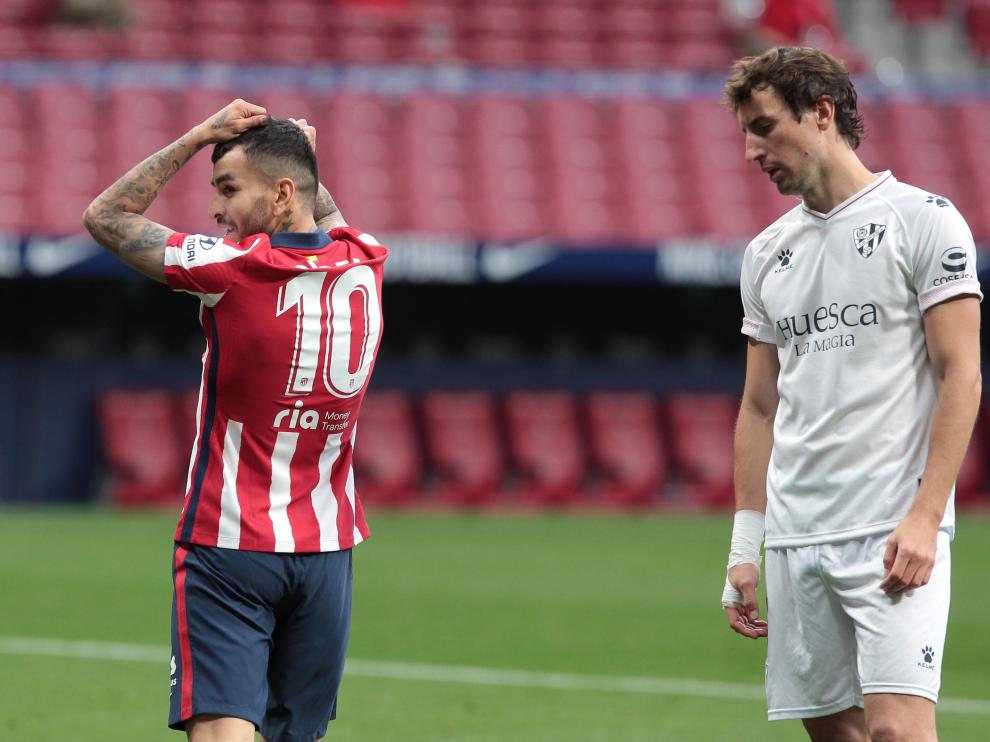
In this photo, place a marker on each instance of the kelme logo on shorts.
(928, 657)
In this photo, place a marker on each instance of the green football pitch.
(495, 628)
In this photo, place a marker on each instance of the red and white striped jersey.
(292, 325)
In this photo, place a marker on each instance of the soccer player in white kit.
(861, 308)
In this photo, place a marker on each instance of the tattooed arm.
(325, 212)
(115, 218)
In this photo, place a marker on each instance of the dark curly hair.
(800, 75)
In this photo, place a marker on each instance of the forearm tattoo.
(324, 205)
(114, 218)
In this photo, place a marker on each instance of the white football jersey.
(842, 296)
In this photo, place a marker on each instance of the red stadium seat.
(645, 221)
(388, 463)
(499, 19)
(20, 43)
(627, 448)
(347, 114)
(463, 446)
(972, 485)
(701, 431)
(441, 216)
(79, 42)
(629, 22)
(154, 44)
(295, 48)
(564, 21)
(186, 405)
(637, 119)
(368, 47)
(638, 54)
(232, 15)
(920, 11)
(26, 12)
(545, 447)
(497, 51)
(699, 55)
(17, 212)
(141, 445)
(164, 14)
(285, 103)
(977, 25)
(141, 121)
(294, 15)
(222, 45)
(196, 103)
(700, 19)
(568, 53)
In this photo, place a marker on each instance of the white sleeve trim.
(757, 331)
(938, 294)
(209, 300)
(197, 250)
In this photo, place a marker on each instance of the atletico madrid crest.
(868, 238)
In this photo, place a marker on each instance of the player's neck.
(841, 177)
(293, 223)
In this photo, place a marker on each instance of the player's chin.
(786, 189)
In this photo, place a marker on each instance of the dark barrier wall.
(49, 439)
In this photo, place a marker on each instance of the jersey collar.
(881, 178)
(301, 240)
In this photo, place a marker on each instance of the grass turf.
(615, 596)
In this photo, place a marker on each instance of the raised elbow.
(89, 219)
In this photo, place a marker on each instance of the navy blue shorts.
(259, 636)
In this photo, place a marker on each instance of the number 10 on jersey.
(305, 294)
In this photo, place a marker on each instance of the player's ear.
(824, 111)
(285, 191)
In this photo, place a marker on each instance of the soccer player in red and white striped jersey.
(291, 311)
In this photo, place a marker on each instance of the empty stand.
(594, 167)
(977, 25)
(701, 429)
(546, 447)
(463, 446)
(972, 485)
(140, 440)
(388, 461)
(498, 166)
(468, 449)
(627, 448)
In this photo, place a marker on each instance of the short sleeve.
(363, 245)
(944, 256)
(756, 323)
(204, 266)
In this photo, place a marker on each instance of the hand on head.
(309, 131)
(233, 120)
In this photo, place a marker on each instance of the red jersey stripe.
(185, 653)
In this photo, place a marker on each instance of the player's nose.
(754, 152)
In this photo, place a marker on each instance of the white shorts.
(835, 635)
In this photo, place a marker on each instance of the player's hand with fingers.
(910, 556)
(231, 121)
(742, 609)
(308, 129)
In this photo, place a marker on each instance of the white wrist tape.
(747, 538)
